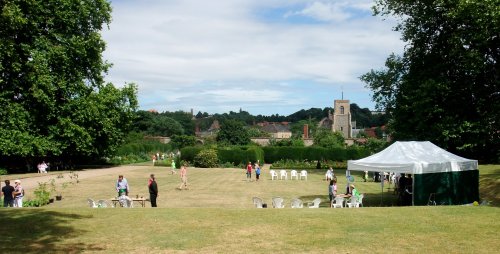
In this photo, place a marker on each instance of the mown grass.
(216, 216)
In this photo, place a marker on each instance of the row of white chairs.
(352, 202)
(124, 202)
(279, 202)
(284, 174)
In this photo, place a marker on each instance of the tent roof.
(413, 157)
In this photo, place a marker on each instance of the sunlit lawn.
(217, 216)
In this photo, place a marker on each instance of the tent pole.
(413, 190)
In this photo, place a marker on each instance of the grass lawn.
(216, 215)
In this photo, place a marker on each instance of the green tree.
(52, 91)
(297, 128)
(328, 139)
(181, 141)
(233, 132)
(256, 132)
(164, 126)
(445, 87)
(184, 118)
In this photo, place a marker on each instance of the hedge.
(272, 154)
(235, 155)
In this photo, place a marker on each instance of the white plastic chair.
(273, 174)
(338, 202)
(293, 174)
(360, 200)
(315, 203)
(257, 202)
(104, 203)
(283, 173)
(125, 201)
(353, 202)
(91, 203)
(296, 203)
(303, 173)
(278, 202)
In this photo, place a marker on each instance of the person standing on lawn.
(122, 186)
(18, 194)
(249, 172)
(153, 190)
(7, 190)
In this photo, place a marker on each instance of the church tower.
(342, 118)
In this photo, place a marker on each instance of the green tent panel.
(448, 188)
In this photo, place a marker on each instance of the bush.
(3, 171)
(42, 196)
(273, 154)
(188, 153)
(206, 159)
(240, 154)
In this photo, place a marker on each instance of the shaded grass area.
(221, 230)
(36, 231)
(489, 184)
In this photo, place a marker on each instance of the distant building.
(276, 130)
(340, 120)
(214, 128)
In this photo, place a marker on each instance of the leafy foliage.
(180, 141)
(52, 91)
(233, 132)
(328, 139)
(206, 158)
(445, 86)
(287, 142)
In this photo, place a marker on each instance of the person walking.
(18, 194)
(249, 172)
(7, 191)
(257, 172)
(122, 186)
(173, 167)
(183, 174)
(153, 190)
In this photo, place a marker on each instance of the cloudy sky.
(265, 57)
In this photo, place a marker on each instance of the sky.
(262, 56)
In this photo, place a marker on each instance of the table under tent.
(443, 176)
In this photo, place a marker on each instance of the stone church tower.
(342, 118)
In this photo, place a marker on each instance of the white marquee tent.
(453, 179)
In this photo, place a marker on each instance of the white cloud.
(201, 54)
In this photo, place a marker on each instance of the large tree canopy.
(54, 101)
(445, 87)
(233, 132)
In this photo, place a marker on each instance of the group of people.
(250, 168)
(42, 167)
(350, 191)
(123, 188)
(13, 195)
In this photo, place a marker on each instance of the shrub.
(206, 159)
(240, 154)
(188, 153)
(3, 171)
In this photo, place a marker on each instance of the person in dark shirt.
(153, 190)
(7, 191)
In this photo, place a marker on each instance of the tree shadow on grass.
(39, 231)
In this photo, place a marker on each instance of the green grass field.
(216, 215)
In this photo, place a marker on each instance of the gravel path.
(32, 182)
